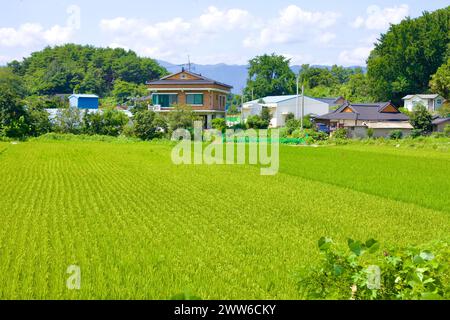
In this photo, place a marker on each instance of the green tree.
(440, 82)
(69, 121)
(421, 119)
(124, 91)
(108, 122)
(148, 125)
(13, 115)
(69, 68)
(269, 75)
(219, 124)
(181, 117)
(405, 58)
(444, 110)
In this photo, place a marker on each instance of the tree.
(440, 82)
(124, 91)
(69, 121)
(266, 115)
(219, 124)
(444, 110)
(269, 75)
(13, 115)
(109, 122)
(421, 119)
(182, 117)
(404, 58)
(148, 125)
(84, 69)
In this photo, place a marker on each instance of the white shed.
(281, 106)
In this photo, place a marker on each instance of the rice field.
(140, 227)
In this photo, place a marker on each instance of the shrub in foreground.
(396, 135)
(366, 272)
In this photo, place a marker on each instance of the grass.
(141, 228)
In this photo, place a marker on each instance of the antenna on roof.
(189, 63)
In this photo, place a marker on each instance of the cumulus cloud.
(294, 24)
(162, 39)
(30, 35)
(357, 56)
(380, 18)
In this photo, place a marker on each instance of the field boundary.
(364, 192)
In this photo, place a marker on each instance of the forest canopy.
(84, 69)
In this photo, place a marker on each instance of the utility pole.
(303, 105)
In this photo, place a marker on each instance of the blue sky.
(210, 32)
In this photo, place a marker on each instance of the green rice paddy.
(140, 227)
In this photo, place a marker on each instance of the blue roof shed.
(84, 101)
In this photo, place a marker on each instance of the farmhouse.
(439, 124)
(431, 101)
(357, 118)
(207, 97)
(281, 106)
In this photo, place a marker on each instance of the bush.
(396, 135)
(108, 123)
(292, 125)
(219, 124)
(148, 125)
(447, 130)
(415, 133)
(421, 119)
(309, 135)
(340, 133)
(255, 122)
(68, 121)
(370, 133)
(366, 272)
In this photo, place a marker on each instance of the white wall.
(290, 106)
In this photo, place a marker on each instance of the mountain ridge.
(232, 74)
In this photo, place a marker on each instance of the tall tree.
(440, 82)
(408, 54)
(269, 75)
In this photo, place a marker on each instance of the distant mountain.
(234, 75)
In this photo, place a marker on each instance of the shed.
(84, 101)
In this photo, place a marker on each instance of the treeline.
(84, 69)
(412, 57)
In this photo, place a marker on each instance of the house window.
(195, 99)
(165, 100)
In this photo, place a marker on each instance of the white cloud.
(357, 56)
(380, 18)
(33, 34)
(292, 25)
(169, 39)
(326, 38)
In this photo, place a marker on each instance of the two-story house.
(207, 97)
(431, 101)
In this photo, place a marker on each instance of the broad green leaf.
(427, 255)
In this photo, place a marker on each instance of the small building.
(439, 124)
(84, 101)
(382, 117)
(281, 106)
(431, 101)
(207, 97)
